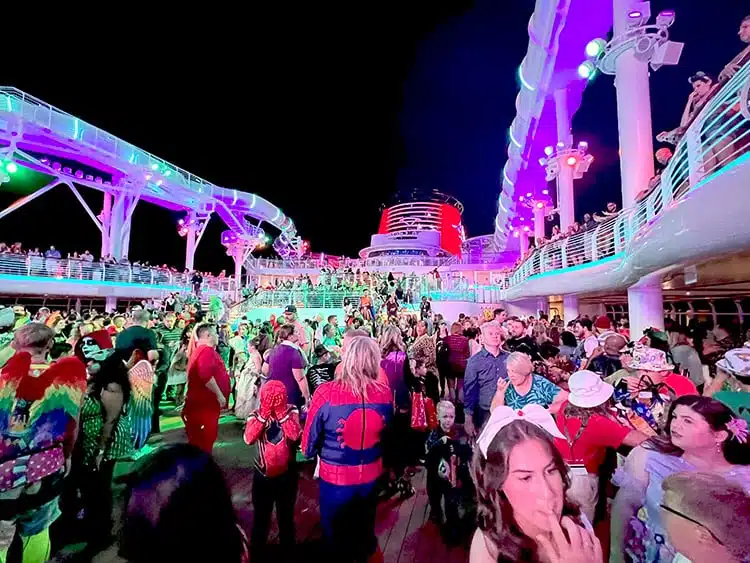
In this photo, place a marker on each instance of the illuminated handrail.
(83, 270)
(316, 298)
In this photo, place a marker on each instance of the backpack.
(274, 453)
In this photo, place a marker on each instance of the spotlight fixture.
(665, 18)
(549, 150)
(586, 70)
(595, 47)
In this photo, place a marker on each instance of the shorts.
(29, 522)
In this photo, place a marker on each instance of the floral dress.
(120, 445)
(647, 540)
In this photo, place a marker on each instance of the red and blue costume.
(345, 430)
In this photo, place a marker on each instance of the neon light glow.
(512, 138)
(11, 167)
(571, 161)
(252, 205)
(505, 176)
(522, 79)
(8, 104)
(76, 128)
(500, 203)
(278, 214)
(234, 199)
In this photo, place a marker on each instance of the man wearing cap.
(290, 317)
(603, 328)
(589, 428)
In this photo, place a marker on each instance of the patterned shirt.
(542, 393)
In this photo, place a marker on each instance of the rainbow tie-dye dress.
(39, 407)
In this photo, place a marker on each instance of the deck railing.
(80, 270)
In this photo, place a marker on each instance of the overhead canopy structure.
(558, 33)
(41, 137)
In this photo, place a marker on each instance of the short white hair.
(516, 358)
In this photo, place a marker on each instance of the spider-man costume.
(345, 430)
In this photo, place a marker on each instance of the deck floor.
(404, 530)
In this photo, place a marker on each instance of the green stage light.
(11, 167)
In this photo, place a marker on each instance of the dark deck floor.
(404, 531)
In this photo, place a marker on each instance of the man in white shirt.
(583, 329)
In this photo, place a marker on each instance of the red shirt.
(681, 385)
(590, 447)
(205, 364)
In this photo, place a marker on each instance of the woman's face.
(533, 487)
(691, 432)
(519, 372)
(421, 328)
(702, 88)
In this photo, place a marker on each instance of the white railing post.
(695, 162)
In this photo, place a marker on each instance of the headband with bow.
(503, 416)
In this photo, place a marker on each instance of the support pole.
(524, 242)
(633, 113)
(570, 308)
(645, 306)
(538, 223)
(190, 242)
(106, 224)
(26, 199)
(565, 192)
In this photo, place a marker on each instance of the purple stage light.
(79, 174)
(45, 161)
(56, 166)
(98, 180)
(67, 170)
(89, 177)
(545, 192)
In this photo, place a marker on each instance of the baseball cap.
(290, 309)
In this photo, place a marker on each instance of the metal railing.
(73, 269)
(716, 137)
(317, 298)
(384, 261)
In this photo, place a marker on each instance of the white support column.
(542, 305)
(565, 192)
(570, 308)
(645, 306)
(106, 218)
(190, 242)
(121, 220)
(633, 113)
(524, 242)
(110, 304)
(538, 223)
(239, 256)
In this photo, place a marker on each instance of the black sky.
(325, 109)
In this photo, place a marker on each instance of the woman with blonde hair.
(344, 428)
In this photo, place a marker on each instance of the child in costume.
(276, 428)
(448, 478)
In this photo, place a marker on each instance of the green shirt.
(738, 401)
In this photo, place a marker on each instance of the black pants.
(437, 489)
(281, 491)
(96, 494)
(159, 385)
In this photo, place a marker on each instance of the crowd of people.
(524, 426)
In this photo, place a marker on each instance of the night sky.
(323, 110)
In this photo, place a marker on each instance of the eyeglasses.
(681, 515)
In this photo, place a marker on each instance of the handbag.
(423, 412)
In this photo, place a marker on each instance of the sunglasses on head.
(681, 515)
